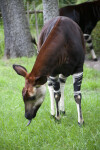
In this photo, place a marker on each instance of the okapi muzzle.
(33, 94)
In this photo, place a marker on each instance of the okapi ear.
(20, 70)
(40, 80)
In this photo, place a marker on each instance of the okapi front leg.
(57, 94)
(51, 91)
(62, 87)
(77, 80)
(88, 39)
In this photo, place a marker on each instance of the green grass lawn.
(44, 133)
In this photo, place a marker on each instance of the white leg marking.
(89, 45)
(62, 107)
(86, 34)
(51, 91)
(78, 111)
(80, 118)
(76, 75)
(62, 87)
(93, 54)
(77, 79)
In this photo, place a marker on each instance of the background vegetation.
(38, 5)
(44, 133)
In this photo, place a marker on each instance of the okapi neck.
(45, 54)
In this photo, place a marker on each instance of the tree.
(17, 35)
(50, 9)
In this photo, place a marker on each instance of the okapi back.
(61, 49)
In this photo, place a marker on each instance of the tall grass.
(44, 133)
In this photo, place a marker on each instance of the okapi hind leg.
(77, 80)
(78, 103)
(62, 87)
(88, 39)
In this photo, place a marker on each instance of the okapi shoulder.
(47, 30)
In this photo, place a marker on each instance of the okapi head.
(33, 93)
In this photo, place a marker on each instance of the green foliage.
(96, 38)
(39, 6)
(81, 1)
(44, 133)
(63, 3)
(69, 1)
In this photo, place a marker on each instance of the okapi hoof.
(57, 120)
(81, 123)
(62, 112)
(95, 59)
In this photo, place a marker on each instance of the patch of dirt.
(93, 64)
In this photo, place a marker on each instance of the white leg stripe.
(93, 54)
(57, 91)
(54, 78)
(77, 92)
(62, 107)
(51, 91)
(86, 34)
(80, 118)
(76, 75)
(89, 37)
(62, 76)
(89, 44)
(78, 111)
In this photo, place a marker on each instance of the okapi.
(61, 54)
(86, 15)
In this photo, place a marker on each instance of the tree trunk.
(50, 9)
(17, 35)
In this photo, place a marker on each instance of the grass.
(44, 133)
